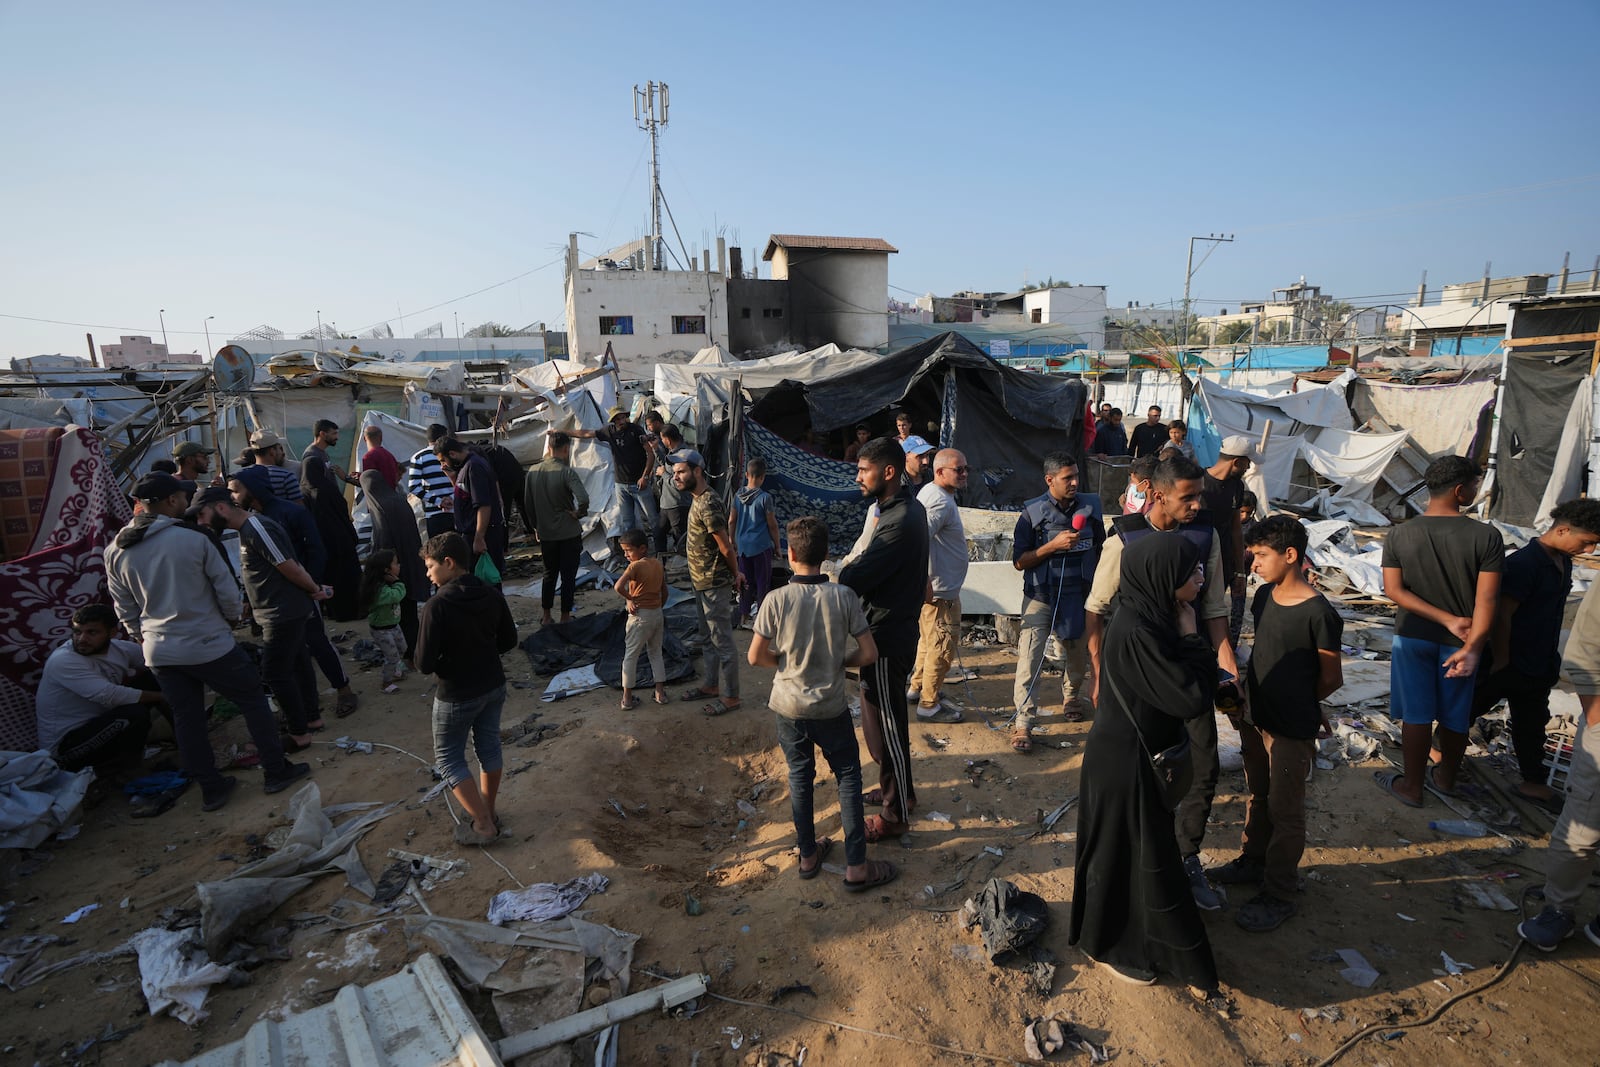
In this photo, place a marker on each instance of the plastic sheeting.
(37, 798)
(1534, 409)
(1442, 419)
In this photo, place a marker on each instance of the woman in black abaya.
(1132, 909)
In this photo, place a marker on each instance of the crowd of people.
(1143, 602)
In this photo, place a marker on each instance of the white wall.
(1081, 308)
(652, 298)
(521, 349)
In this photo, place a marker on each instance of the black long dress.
(394, 527)
(324, 497)
(1131, 902)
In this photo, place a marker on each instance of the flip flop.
(1434, 787)
(823, 848)
(879, 872)
(879, 828)
(659, 699)
(693, 695)
(629, 704)
(718, 707)
(1386, 781)
(1021, 741)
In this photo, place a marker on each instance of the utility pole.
(650, 114)
(1188, 273)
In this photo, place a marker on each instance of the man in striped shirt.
(427, 481)
(270, 453)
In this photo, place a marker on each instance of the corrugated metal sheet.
(411, 1019)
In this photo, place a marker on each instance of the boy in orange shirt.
(643, 586)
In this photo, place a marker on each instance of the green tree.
(1234, 332)
(491, 329)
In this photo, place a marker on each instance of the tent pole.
(1486, 492)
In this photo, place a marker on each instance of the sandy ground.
(892, 961)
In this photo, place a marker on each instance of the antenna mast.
(650, 114)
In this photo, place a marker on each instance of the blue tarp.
(1283, 357)
(1466, 346)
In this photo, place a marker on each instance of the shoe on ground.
(1241, 870)
(1551, 927)
(1592, 931)
(1264, 912)
(214, 799)
(938, 713)
(291, 773)
(1206, 897)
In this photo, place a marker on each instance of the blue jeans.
(479, 716)
(836, 737)
(638, 508)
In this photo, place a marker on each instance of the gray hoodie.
(171, 587)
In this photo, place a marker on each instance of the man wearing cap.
(427, 481)
(714, 573)
(1222, 494)
(479, 512)
(272, 455)
(174, 595)
(631, 466)
(194, 462)
(281, 593)
(919, 462)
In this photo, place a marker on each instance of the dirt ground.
(894, 961)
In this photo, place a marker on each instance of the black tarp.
(1002, 418)
(1533, 412)
(600, 639)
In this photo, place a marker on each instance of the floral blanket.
(62, 567)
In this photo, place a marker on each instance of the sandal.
(879, 828)
(661, 698)
(345, 705)
(629, 704)
(1386, 780)
(692, 695)
(717, 707)
(823, 848)
(872, 798)
(1433, 786)
(1020, 740)
(879, 872)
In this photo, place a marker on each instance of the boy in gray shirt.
(803, 630)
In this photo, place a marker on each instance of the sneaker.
(1592, 931)
(1264, 912)
(291, 773)
(1206, 897)
(1243, 870)
(938, 713)
(1549, 928)
(215, 798)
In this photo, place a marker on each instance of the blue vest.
(1199, 533)
(1070, 572)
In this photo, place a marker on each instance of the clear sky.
(263, 162)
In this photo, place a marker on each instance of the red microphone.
(1078, 522)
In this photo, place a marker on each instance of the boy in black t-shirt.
(1294, 665)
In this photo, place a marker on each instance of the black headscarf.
(1153, 568)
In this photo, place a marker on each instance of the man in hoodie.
(888, 569)
(464, 629)
(174, 595)
(253, 490)
(281, 593)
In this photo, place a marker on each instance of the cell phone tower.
(650, 106)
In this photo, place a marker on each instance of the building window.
(613, 324)
(1038, 315)
(744, 313)
(688, 324)
(772, 313)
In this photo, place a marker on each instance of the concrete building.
(646, 316)
(132, 351)
(838, 288)
(1077, 311)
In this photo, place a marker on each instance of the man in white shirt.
(940, 623)
(88, 713)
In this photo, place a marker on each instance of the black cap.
(159, 486)
(211, 494)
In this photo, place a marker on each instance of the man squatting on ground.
(804, 630)
(888, 569)
(940, 623)
(91, 712)
(1055, 545)
(174, 594)
(1175, 505)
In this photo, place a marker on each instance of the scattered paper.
(1455, 966)
(1357, 971)
(1403, 915)
(938, 816)
(80, 913)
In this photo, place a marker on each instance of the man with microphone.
(1056, 546)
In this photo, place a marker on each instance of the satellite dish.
(234, 369)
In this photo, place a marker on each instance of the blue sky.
(259, 163)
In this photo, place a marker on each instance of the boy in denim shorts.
(462, 632)
(1442, 570)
